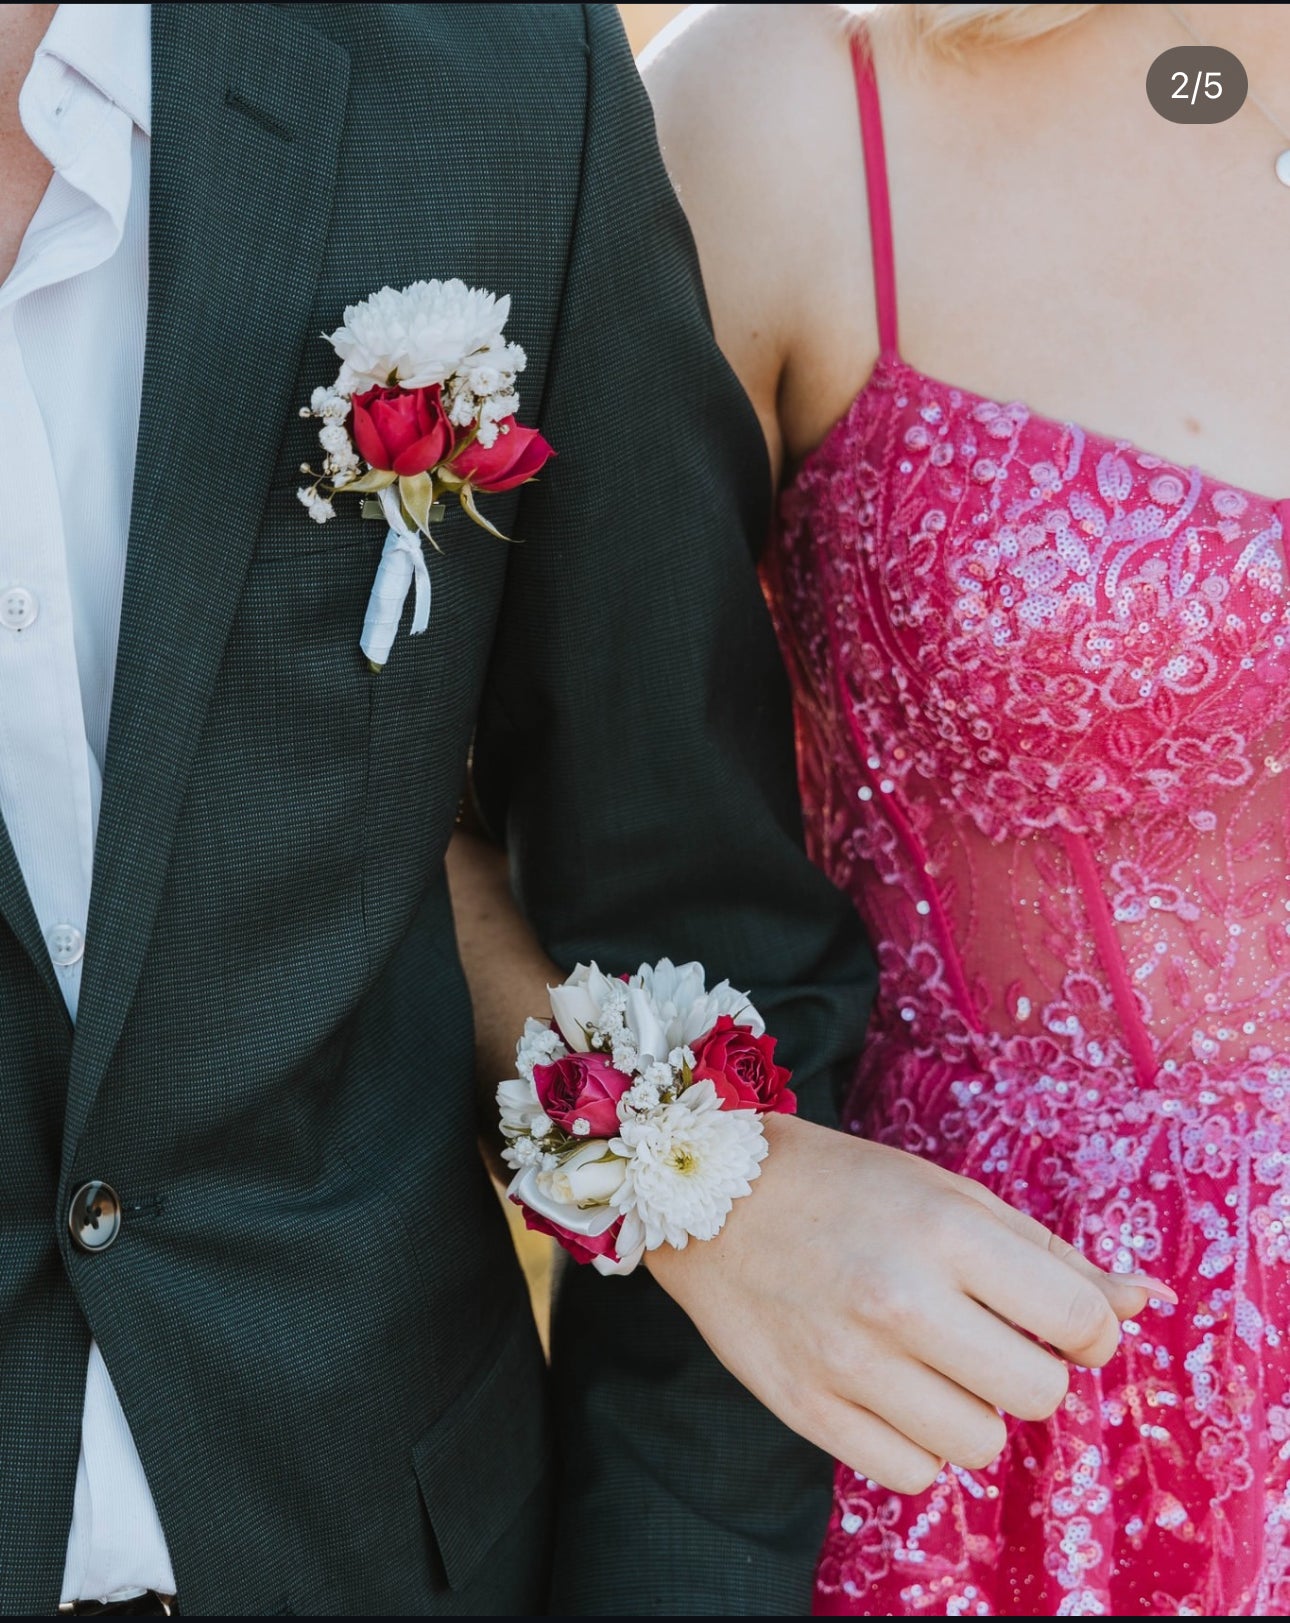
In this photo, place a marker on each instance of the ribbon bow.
(402, 562)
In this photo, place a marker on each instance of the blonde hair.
(950, 29)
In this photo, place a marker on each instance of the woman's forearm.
(506, 968)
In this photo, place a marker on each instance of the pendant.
(1283, 167)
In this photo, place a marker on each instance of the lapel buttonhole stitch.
(238, 102)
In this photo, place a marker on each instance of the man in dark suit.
(238, 1177)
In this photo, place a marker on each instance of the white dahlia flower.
(684, 1005)
(685, 1167)
(416, 335)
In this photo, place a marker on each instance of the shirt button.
(94, 1217)
(66, 944)
(18, 608)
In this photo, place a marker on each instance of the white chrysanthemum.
(416, 335)
(686, 1166)
(685, 1006)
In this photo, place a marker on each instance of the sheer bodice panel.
(1042, 696)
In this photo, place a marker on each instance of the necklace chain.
(1271, 118)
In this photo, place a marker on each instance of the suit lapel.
(248, 107)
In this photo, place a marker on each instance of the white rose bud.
(588, 1183)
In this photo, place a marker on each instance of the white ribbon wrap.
(402, 562)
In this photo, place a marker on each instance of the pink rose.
(581, 1247)
(582, 1086)
(403, 431)
(742, 1069)
(516, 455)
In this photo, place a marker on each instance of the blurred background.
(642, 23)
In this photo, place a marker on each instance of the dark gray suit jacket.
(313, 1316)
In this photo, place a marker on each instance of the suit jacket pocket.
(484, 1456)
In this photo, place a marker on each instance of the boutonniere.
(422, 410)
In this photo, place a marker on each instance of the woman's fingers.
(1127, 1293)
(998, 1364)
(1028, 1275)
(871, 1447)
(1029, 1286)
(936, 1414)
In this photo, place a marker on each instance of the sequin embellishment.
(1042, 685)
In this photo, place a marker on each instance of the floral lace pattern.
(1042, 686)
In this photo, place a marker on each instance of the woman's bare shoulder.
(756, 119)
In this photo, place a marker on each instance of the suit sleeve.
(635, 749)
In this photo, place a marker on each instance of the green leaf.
(417, 491)
(373, 479)
(467, 498)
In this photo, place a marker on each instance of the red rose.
(514, 456)
(403, 431)
(581, 1247)
(582, 1085)
(742, 1068)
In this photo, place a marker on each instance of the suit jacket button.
(95, 1216)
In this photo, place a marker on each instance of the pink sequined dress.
(1042, 681)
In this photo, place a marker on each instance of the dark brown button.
(95, 1216)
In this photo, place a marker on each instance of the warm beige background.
(643, 22)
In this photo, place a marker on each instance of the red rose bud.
(581, 1247)
(742, 1069)
(514, 456)
(403, 431)
(582, 1086)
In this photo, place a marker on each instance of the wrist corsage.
(635, 1119)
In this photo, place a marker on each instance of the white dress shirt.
(72, 316)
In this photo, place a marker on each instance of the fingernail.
(1154, 1287)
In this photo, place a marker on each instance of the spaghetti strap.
(875, 171)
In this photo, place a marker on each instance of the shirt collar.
(110, 46)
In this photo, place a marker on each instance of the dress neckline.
(891, 363)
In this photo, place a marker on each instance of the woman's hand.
(879, 1305)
